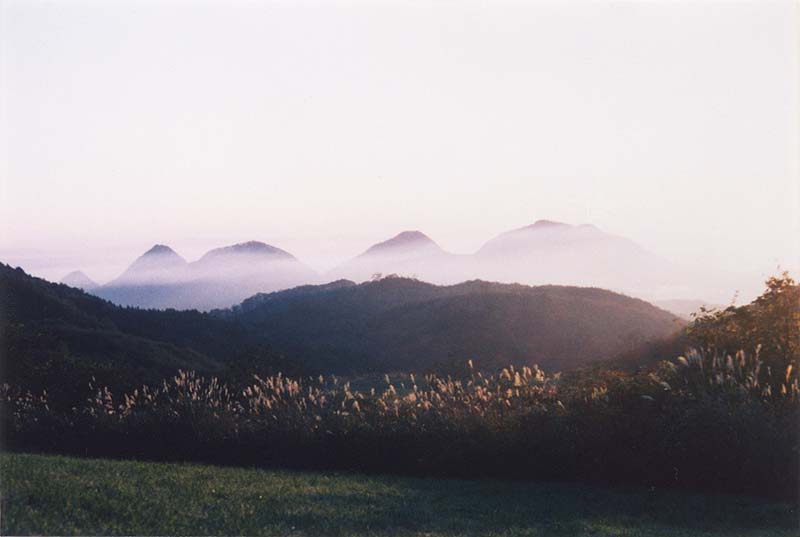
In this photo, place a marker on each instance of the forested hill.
(405, 324)
(55, 335)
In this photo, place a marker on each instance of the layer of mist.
(543, 253)
(162, 279)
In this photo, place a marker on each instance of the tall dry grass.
(706, 421)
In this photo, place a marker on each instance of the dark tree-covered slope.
(403, 324)
(53, 334)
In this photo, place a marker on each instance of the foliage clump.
(769, 326)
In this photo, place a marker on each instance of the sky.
(324, 127)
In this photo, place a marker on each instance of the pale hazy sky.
(324, 127)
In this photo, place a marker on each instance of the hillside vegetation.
(400, 324)
(57, 337)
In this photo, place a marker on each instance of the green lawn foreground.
(66, 496)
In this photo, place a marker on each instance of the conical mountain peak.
(248, 248)
(159, 255)
(79, 280)
(157, 263)
(161, 249)
(406, 240)
(547, 224)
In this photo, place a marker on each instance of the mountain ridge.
(404, 239)
(224, 276)
(392, 324)
(544, 252)
(79, 280)
(246, 248)
(407, 324)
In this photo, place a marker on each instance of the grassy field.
(59, 495)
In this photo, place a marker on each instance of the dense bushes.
(702, 422)
(770, 325)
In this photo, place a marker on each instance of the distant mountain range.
(545, 252)
(162, 279)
